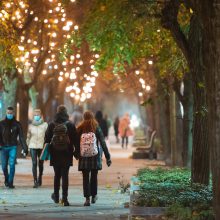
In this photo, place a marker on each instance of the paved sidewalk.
(24, 202)
(29, 203)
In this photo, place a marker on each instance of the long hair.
(89, 124)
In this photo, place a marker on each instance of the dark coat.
(95, 163)
(10, 131)
(116, 126)
(102, 123)
(62, 158)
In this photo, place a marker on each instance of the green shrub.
(160, 175)
(186, 213)
(172, 188)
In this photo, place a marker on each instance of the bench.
(144, 152)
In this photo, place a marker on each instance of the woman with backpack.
(35, 142)
(63, 144)
(90, 161)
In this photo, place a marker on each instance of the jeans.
(8, 155)
(90, 183)
(64, 173)
(35, 156)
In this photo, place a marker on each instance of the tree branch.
(170, 22)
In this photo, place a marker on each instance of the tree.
(40, 35)
(107, 31)
(209, 16)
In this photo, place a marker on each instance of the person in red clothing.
(125, 130)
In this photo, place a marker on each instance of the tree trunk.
(150, 116)
(157, 117)
(33, 94)
(23, 98)
(164, 112)
(200, 151)
(191, 47)
(187, 122)
(10, 93)
(179, 134)
(210, 17)
(173, 128)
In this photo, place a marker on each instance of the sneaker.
(54, 198)
(94, 199)
(87, 202)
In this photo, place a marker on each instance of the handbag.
(45, 154)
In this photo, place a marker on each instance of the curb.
(145, 213)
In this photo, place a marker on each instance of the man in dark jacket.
(10, 131)
(62, 159)
(102, 123)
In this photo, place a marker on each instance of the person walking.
(102, 123)
(125, 130)
(108, 121)
(77, 115)
(90, 160)
(10, 132)
(116, 126)
(35, 142)
(62, 136)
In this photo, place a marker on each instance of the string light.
(58, 26)
(150, 62)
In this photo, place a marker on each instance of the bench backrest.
(151, 143)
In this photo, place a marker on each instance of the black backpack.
(60, 140)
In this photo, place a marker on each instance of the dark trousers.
(90, 183)
(35, 156)
(124, 139)
(61, 172)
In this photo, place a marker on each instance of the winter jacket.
(10, 132)
(62, 158)
(35, 135)
(102, 123)
(124, 127)
(116, 126)
(94, 163)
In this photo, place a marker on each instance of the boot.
(10, 185)
(55, 198)
(39, 180)
(94, 199)
(6, 182)
(65, 202)
(35, 183)
(87, 202)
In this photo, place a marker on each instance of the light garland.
(144, 86)
(55, 27)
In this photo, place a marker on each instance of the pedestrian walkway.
(24, 202)
(28, 203)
